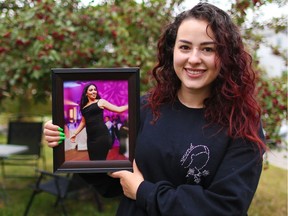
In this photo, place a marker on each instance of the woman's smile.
(194, 73)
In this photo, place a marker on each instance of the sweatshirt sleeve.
(230, 192)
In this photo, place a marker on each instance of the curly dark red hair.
(231, 103)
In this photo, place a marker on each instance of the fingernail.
(61, 139)
(60, 129)
(62, 134)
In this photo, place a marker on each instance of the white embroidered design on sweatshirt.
(196, 159)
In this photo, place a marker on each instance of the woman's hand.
(130, 181)
(53, 134)
(73, 138)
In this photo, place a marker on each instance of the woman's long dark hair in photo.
(84, 98)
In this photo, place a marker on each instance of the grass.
(270, 198)
(18, 191)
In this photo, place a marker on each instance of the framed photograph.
(98, 108)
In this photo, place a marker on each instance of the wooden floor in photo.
(75, 155)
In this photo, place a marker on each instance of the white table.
(5, 151)
(8, 149)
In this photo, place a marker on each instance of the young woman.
(92, 106)
(200, 142)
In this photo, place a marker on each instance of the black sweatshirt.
(190, 168)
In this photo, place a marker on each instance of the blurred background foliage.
(37, 35)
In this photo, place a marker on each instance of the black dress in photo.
(99, 140)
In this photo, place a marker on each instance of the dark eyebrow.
(204, 43)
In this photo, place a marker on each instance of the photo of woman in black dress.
(92, 107)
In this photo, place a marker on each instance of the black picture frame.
(60, 76)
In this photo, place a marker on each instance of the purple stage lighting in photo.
(116, 92)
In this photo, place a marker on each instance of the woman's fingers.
(53, 134)
(53, 144)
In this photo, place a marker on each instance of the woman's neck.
(192, 99)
